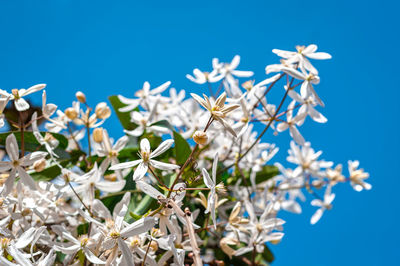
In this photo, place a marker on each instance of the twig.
(147, 251)
(188, 159)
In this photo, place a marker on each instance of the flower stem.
(188, 159)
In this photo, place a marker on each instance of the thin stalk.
(76, 194)
(158, 179)
(147, 251)
(262, 133)
(188, 159)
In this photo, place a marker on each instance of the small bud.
(103, 111)
(26, 212)
(98, 135)
(200, 137)
(15, 92)
(111, 177)
(275, 242)
(154, 246)
(39, 165)
(317, 184)
(248, 85)
(81, 97)
(71, 113)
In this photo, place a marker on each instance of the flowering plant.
(190, 182)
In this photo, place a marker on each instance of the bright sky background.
(112, 48)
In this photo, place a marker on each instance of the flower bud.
(26, 212)
(248, 85)
(98, 135)
(275, 242)
(102, 111)
(81, 97)
(39, 165)
(111, 177)
(200, 137)
(317, 184)
(71, 113)
(154, 246)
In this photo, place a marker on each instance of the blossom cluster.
(191, 181)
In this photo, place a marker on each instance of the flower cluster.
(191, 181)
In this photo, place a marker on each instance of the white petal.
(163, 166)
(126, 165)
(317, 215)
(140, 171)
(21, 104)
(12, 147)
(207, 180)
(149, 190)
(26, 238)
(145, 145)
(138, 131)
(91, 257)
(108, 186)
(25, 178)
(139, 227)
(33, 89)
(319, 55)
(162, 148)
(294, 132)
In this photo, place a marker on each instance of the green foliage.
(182, 148)
(267, 172)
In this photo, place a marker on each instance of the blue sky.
(112, 47)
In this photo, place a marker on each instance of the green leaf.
(124, 118)
(182, 148)
(267, 255)
(47, 174)
(163, 123)
(267, 172)
(143, 205)
(83, 229)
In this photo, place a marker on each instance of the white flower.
(307, 158)
(217, 109)
(291, 123)
(228, 70)
(203, 77)
(145, 123)
(300, 56)
(17, 95)
(357, 177)
(147, 159)
(16, 165)
(49, 142)
(111, 152)
(211, 184)
(324, 205)
(48, 109)
(91, 180)
(307, 106)
(143, 95)
(261, 229)
(309, 79)
(76, 245)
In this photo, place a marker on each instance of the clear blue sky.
(112, 47)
